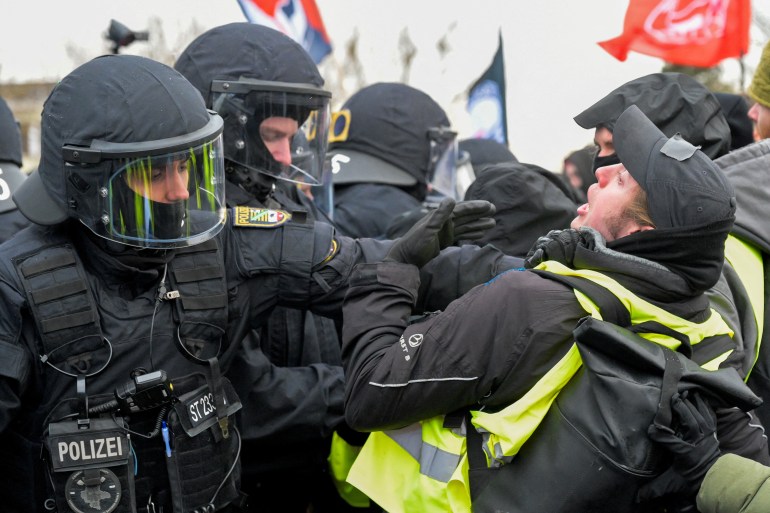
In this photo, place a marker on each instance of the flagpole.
(742, 65)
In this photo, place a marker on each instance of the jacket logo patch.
(415, 340)
(250, 217)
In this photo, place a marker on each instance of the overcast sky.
(554, 67)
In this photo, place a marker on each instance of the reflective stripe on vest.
(746, 261)
(413, 468)
(403, 471)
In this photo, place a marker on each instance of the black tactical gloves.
(467, 220)
(472, 219)
(559, 245)
(693, 444)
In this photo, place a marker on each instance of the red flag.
(686, 32)
(299, 19)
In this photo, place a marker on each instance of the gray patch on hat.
(679, 149)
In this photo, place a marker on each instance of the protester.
(290, 410)
(125, 304)
(11, 175)
(389, 142)
(679, 104)
(759, 91)
(741, 296)
(655, 242)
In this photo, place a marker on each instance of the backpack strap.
(612, 310)
(610, 306)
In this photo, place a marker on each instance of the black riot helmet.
(11, 176)
(269, 92)
(405, 130)
(130, 150)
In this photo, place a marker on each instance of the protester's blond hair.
(638, 211)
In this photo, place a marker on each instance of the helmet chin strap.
(250, 180)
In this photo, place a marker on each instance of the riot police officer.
(392, 146)
(261, 81)
(124, 305)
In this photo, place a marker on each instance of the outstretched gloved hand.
(472, 219)
(559, 245)
(440, 228)
(693, 444)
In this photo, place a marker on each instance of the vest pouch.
(203, 469)
(91, 469)
(592, 443)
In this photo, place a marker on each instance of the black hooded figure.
(674, 102)
(530, 201)
(736, 110)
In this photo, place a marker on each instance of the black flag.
(486, 101)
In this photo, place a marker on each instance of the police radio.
(144, 392)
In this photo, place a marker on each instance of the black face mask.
(608, 160)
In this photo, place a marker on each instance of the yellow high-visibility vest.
(747, 262)
(424, 467)
(341, 458)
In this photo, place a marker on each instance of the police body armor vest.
(103, 454)
(567, 437)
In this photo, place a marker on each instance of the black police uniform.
(142, 333)
(11, 222)
(367, 209)
(290, 369)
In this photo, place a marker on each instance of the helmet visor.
(277, 129)
(442, 175)
(162, 201)
(465, 175)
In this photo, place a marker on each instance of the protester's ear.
(634, 228)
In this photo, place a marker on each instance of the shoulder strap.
(200, 298)
(479, 473)
(62, 305)
(612, 310)
(610, 306)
